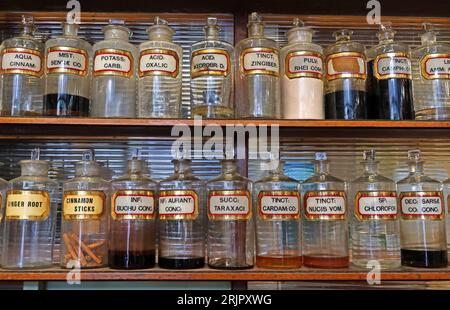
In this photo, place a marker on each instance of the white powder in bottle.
(302, 98)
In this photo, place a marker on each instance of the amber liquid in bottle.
(282, 262)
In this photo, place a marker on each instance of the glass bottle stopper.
(211, 29)
(343, 35)
(321, 156)
(35, 154)
(88, 155)
(414, 155)
(135, 154)
(369, 155)
(386, 33)
(428, 35)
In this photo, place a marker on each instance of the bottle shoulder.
(322, 178)
(23, 42)
(373, 178)
(437, 48)
(256, 42)
(341, 47)
(160, 44)
(393, 47)
(74, 42)
(33, 179)
(115, 44)
(300, 47)
(415, 179)
(212, 44)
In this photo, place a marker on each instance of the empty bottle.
(30, 217)
(22, 66)
(375, 225)
(325, 225)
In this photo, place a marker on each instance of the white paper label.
(113, 63)
(325, 205)
(260, 61)
(304, 65)
(70, 60)
(134, 205)
(21, 62)
(421, 206)
(436, 66)
(229, 205)
(346, 65)
(158, 62)
(210, 62)
(279, 205)
(373, 206)
(392, 66)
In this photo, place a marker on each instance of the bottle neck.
(255, 30)
(297, 35)
(322, 167)
(136, 167)
(117, 33)
(370, 167)
(87, 169)
(416, 168)
(428, 38)
(182, 167)
(36, 168)
(229, 167)
(70, 30)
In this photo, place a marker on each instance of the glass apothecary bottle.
(132, 235)
(324, 218)
(67, 74)
(431, 77)
(114, 80)
(375, 224)
(30, 217)
(22, 73)
(276, 201)
(301, 75)
(422, 227)
(390, 84)
(84, 229)
(230, 219)
(181, 219)
(159, 73)
(257, 73)
(212, 74)
(346, 78)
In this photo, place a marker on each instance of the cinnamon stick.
(88, 251)
(69, 246)
(81, 257)
(97, 244)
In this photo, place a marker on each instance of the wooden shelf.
(206, 274)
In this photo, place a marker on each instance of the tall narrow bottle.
(423, 239)
(30, 217)
(301, 75)
(159, 84)
(346, 78)
(84, 228)
(230, 219)
(390, 84)
(181, 219)
(325, 225)
(276, 200)
(67, 74)
(133, 218)
(431, 77)
(257, 73)
(212, 75)
(114, 81)
(375, 225)
(22, 66)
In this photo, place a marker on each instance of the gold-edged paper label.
(325, 205)
(178, 205)
(210, 62)
(279, 205)
(435, 66)
(27, 205)
(260, 60)
(376, 205)
(228, 205)
(158, 61)
(303, 64)
(133, 205)
(116, 62)
(346, 65)
(422, 205)
(18, 60)
(392, 65)
(64, 59)
(83, 205)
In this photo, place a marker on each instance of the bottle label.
(21, 61)
(210, 62)
(392, 65)
(27, 205)
(133, 205)
(346, 65)
(228, 205)
(260, 60)
(109, 61)
(325, 205)
(303, 64)
(376, 206)
(64, 59)
(178, 205)
(83, 205)
(158, 62)
(422, 205)
(435, 66)
(279, 205)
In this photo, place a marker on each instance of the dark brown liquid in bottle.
(131, 259)
(181, 263)
(65, 105)
(426, 259)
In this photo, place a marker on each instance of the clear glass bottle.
(431, 77)
(324, 218)
(375, 225)
(159, 83)
(276, 201)
(423, 238)
(4, 187)
(212, 74)
(114, 81)
(84, 229)
(346, 78)
(132, 235)
(30, 217)
(257, 73)
(230, 219)
(67, 74)
(301, 75)
(390, 84)
(181, 219)
(22, 67)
